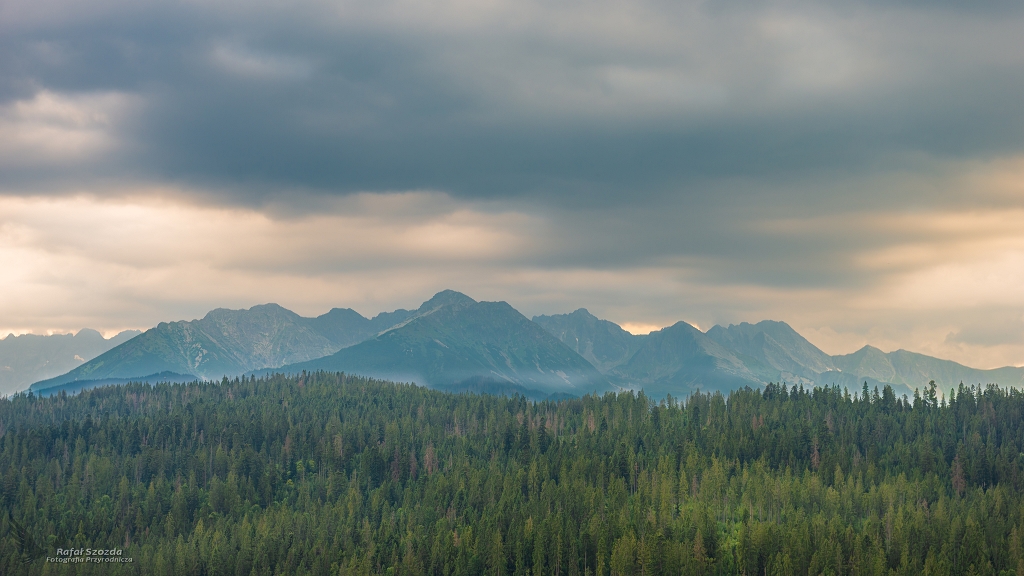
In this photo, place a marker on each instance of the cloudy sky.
(855, 167)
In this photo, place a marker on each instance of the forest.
(327, 473)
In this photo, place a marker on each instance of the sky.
(854, 168)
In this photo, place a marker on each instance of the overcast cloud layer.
(853, 168)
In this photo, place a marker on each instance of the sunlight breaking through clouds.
(54, 129)
(160, 257)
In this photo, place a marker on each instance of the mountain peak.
(773, 324)
(224, 314)
(342, 313)
(770, 326)
(681, 325)
(447, 298)
(869, 349)
(273, 308)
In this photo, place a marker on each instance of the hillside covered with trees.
(330, 474)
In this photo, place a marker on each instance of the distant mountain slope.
(604, 344)
(229, 342)
(777, 345)
(681, 359)
(677, 360)
(455, 342)
(916, 370)
(28, 358)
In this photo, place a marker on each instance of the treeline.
(334, 474)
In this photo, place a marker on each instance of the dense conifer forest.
(333, 474)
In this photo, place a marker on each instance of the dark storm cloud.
(531, 101)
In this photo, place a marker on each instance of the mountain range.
(225, 342)
(30, 357)
(455, 343)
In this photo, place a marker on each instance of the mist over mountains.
(453, 342)
(28, 358)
